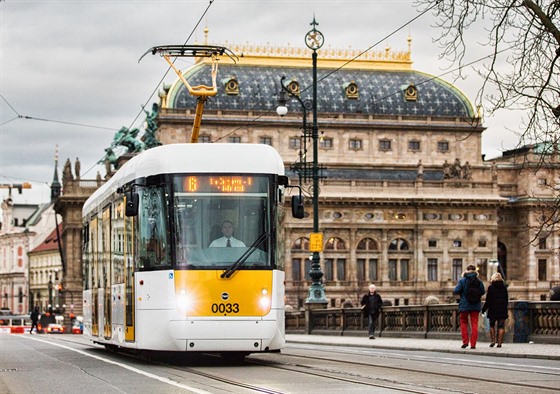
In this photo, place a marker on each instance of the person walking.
(34, 319)
(371, 305)
(497, 306)
(470, 288)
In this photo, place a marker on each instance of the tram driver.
(227, 240)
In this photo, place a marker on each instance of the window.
(457, 243)
(341, 269)
(294, 143)
(404, 269)
(301, 244)
(432, 269)
(355, 144)
(266, 140)
(542, 269)
(204, 138)
(307, 267)
(443, 146)
(414, 145)
(234, 139)
(542, 182)
(481, 243)
(361, 269)
(329, 269)
(326, 143)
(335, 243)
(296, 270)
(542, 243)
(457, 269)
(372, 269)
(432, 243)
(392, 269)
(367, 244)
(398, 244)
(151, 226)
(384, 145)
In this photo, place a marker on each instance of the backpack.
(473, 291)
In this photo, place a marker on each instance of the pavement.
(521, 350)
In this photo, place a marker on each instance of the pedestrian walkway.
(522, 350)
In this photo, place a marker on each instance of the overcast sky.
(73, 63)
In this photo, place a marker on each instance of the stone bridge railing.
(528, 321)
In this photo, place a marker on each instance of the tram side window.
(86, 253)
(151, 234)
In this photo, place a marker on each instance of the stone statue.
(446, 170)
(420, 170)
(149, 138)
(494, 172)
(456, 169)
(77, 167)
(467, 173)
(67, 172)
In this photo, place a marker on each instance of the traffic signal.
(59, 288)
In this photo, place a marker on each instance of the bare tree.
(523, 34)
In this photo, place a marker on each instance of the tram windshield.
(221, 220)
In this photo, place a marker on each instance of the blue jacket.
(461, 288)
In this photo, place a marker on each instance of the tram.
(156, 276)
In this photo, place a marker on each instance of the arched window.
(335, 243)
(301, 265)
(301, 244)
(367, 262)
(398, 244)
(399, 266)
(367, 244)
(335, 257)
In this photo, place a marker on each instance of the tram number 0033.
(225, 308)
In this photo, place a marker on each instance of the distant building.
(24, 227)
(45, 273)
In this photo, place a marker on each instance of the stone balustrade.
(528, 321)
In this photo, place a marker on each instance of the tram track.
(334, 367)
(479, 379)
(431, 360)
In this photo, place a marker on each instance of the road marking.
(135, 370)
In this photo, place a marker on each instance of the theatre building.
(406, 199)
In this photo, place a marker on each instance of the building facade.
(406, 199)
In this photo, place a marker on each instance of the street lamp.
(314, 40)
(50, 287)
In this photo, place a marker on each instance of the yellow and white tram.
(151, 279)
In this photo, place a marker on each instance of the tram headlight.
(264, 300)
(184, 301)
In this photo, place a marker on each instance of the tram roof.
(192, 158)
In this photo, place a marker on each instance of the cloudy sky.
(70, 76)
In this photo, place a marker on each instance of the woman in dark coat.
(497, 306)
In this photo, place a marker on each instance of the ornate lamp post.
(314, 40)
(50, 288)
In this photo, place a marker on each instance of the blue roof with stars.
(380, 92)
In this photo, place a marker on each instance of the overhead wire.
(210, 2)
(19, 116)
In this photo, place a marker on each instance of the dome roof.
(363, 88)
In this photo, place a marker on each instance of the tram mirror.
(297, 207)
(131, 203)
